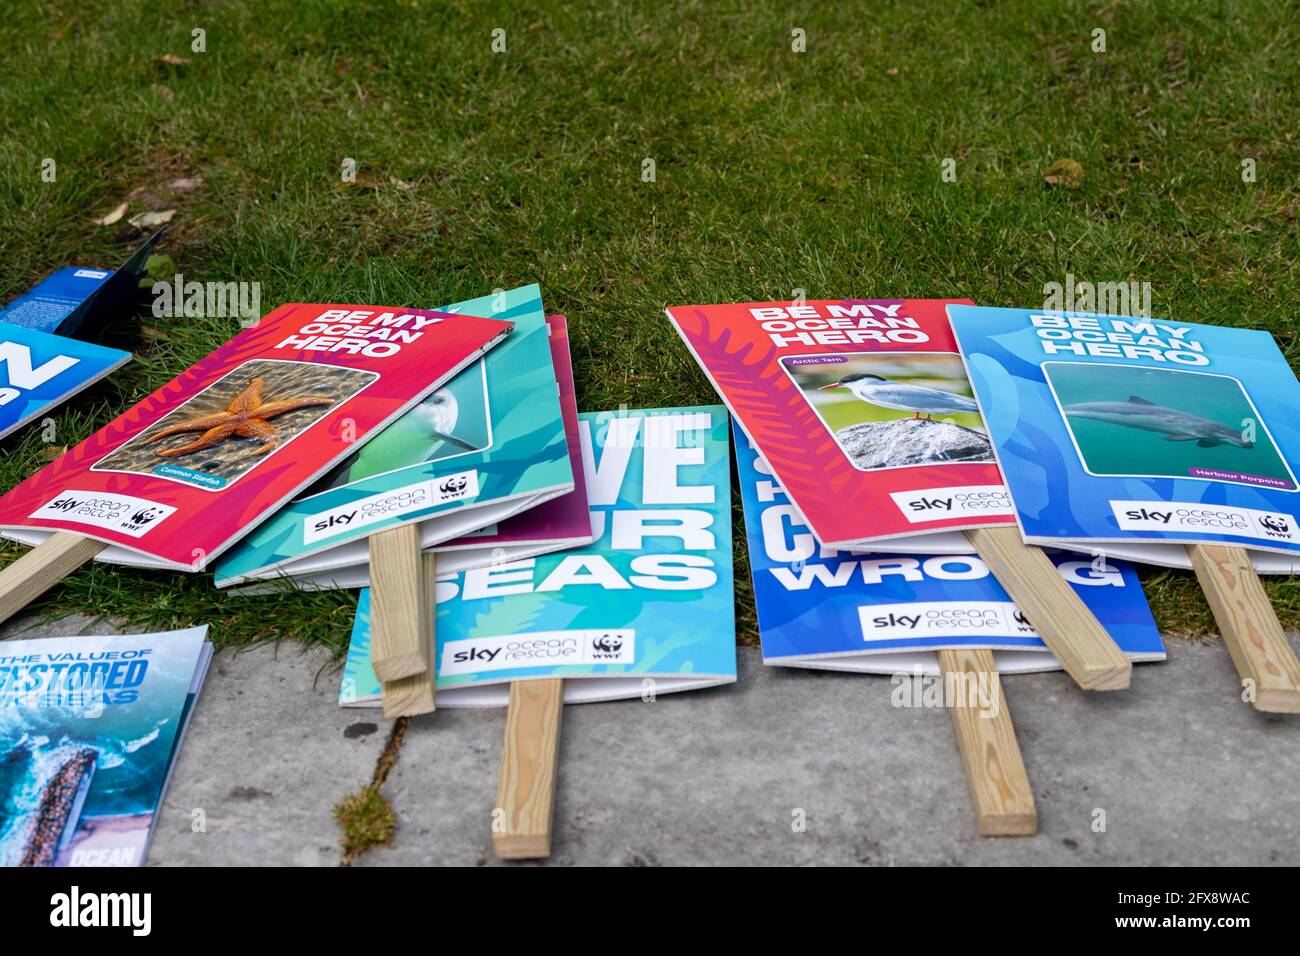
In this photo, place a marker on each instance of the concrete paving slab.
(1184, 772)
(268, 754)
(1179, 770)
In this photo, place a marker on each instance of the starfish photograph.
(245, 417)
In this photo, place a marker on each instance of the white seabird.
(918, 399)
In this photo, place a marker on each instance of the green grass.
(366, 819)
(775, 171)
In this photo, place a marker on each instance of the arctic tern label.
(543, 649)
(389, 504)
(926, 619)
(1194, 518)
(98, 509)
(937, 504)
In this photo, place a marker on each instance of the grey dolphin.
(1174, 425)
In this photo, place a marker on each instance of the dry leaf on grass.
(1064, 172)
(186, 184)
(112, 217)
(171, 59)
(147, 219)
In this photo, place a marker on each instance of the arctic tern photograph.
(894, 409)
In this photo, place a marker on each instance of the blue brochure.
(1139, 436)
(79, 302)
(647, 609)
(39, 370)
(90, 729)
(885, 613)
(54, 298)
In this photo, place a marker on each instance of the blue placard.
(44, 306)
(815, 602)
(38, 370)
(1124, 429)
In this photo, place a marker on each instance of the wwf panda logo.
(454, 486)
(1275, 524)
(144, 516)
(607, 644)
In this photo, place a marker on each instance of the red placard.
(855, 472)
(190, 469)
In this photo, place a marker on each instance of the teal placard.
(652, 597)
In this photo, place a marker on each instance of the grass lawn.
(775, 171)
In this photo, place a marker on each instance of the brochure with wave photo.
(90, 729)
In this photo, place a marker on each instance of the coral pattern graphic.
(430, 349)
(750, 366)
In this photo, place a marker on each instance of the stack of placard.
(1163, 441)
(645, 610)
(184, 474)
(863, 412)
(481, 471)
(488, 445)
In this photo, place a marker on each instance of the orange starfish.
(245, 417)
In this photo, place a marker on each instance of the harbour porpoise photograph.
(1165, 423)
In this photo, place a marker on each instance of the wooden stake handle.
(43, 567)
(414, 695)
(1067, 627)
(999, 786)
(398, 609)
(521, 827)
(1249, 626)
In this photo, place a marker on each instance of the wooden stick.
(1067, 627)
(999, 786)
(398, 610)
(1249, 626)
(414, 695)
(43, 567)
(526, 794)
